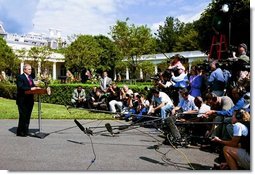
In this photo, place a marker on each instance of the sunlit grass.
(9, 110)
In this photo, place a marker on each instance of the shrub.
(60, 93)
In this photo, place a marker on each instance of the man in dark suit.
(24, 101)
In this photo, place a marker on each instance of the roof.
(2, 31)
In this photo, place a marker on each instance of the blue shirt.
(216, 75)
(180, 81)
(228, 113)
(187, 105)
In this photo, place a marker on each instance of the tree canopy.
(132, 41)
(8, 60)
(84, 52)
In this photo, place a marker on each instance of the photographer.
(216, 79)
(162, 81)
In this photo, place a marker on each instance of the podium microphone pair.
(86, 131)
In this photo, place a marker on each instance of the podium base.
(40, 135)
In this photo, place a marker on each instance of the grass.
(9, 110)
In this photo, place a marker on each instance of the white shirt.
(163, 98)
(240, 129)
(203, 109)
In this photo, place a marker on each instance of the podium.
(38, 92)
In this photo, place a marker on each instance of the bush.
(8, 90)
(60, 93)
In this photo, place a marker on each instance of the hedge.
(60, 93)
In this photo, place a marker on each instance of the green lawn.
(9, 110)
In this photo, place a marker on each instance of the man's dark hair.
(184, 91)
(155, 90)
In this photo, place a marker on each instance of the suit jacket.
(76, 95)
(22, 86)
(108, 82)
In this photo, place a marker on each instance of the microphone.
(89, 131)
(79, 125)
(109, 128)
(86, 131)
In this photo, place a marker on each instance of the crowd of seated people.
(215, 97)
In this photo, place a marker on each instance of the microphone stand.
(88, 132)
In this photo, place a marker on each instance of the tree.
(39, 56)
(84, 52)
(109, 56)
(187, 39)
(148, 68)
(168, 34)
(132, 42)
(8, 60)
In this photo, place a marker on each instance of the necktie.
(30, 80)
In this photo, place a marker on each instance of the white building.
(27, 41)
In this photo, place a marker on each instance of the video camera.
(129, 95)
(156, 77)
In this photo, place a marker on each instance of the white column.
(39, 69)
(21, 67)
(54, 71)
(114, 74)
(141, 74)
(190, 62)
(156, 69)
(127, 73)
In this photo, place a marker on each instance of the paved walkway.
(67, 148)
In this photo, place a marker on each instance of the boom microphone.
(109, 128)
(80, 126)
(86, 131)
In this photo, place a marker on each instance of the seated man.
(90, 97)
(186, 104)
(78, 97)
(222, 103)
(115, 103)
(227, 114)
(160, 101)
(202, 107)
(99, 100)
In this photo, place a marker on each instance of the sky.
(93, 17)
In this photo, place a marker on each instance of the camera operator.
(179, 77)
(216, 81)
(162, 81)
(241, 64)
